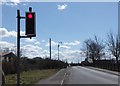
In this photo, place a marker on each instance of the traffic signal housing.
(30, 24)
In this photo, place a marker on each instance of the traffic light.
(30, 24)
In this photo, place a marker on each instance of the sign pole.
(18, 47)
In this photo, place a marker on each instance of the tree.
(94, 49)
(113, 43)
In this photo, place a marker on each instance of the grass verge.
(30, 77)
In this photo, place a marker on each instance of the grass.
(30, 77)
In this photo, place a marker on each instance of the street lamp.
(58, 48)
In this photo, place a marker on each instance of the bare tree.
(113, 43)
(94, 49)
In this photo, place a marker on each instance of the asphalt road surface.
(55, 79)
(82, 75)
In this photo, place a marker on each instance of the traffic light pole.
(18, 47)
(18, 44)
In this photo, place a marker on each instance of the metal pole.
(118, 36)
(30, 9)
(50, 47)
(18, 47)
(58, 51)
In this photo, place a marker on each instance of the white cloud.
(4, 44)
(30, 40)
(32, 47)
(37, 43)
(64, 46)
(70, 55)
(22, 33)
(77, 42)
(62, 7)
(35, 50)
(72, 43)
(33, 40)
(5, 33)
(31, 50)
(67, 51)
(52, 44)
(13, 2)
(43, 40)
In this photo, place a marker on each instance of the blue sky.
(70, 22)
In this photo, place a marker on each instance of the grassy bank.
(30, 77)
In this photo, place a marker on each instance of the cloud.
(75, 43)
(35, 50)
(30, 40)
(5, 33)
(4, 44)
(65, 47)
(33, 40)
(31, 50)
(37, 43)
(67, 51)
(13, 2)
(43, 41)
(62, 7)
(52, 44)
(71, 55)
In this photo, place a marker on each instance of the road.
(82, 75)
(55, 79)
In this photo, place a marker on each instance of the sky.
(68, 22)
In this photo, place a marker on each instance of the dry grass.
(30, 77)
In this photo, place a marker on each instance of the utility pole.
(58, 51)
(58, 48)
(50, 46)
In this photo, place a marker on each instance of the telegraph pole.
(58, 48)
(58, 51)
(50, 46)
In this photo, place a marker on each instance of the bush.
(32, 64)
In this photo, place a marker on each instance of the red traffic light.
(30, 24)
(30, 16)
